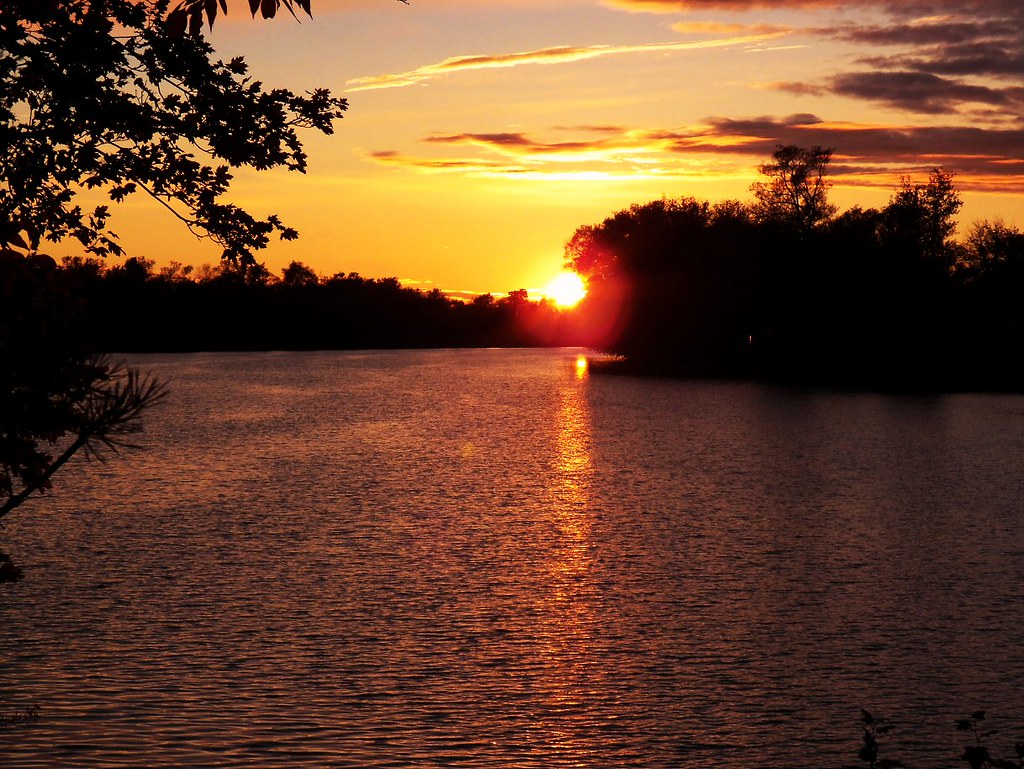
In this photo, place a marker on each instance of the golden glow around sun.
(566, 289)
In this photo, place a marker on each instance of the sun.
(566, 289)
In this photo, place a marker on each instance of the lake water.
(494, 558)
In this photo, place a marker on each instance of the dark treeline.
(134, 307)
(785, 288)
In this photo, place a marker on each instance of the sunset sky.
(481, 133)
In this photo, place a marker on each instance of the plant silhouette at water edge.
(9, 571)
(873, 728)
(976, 754)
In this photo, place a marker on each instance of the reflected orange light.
(570, 510)
(566, 616)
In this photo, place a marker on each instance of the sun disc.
(565, 289)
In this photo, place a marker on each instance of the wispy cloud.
(597, 145)
(553, 55)
(469, 166)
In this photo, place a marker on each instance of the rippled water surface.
(494, 559)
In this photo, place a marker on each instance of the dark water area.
(492, 558)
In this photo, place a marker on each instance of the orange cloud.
(476, 166)
(871, 155)
(718, 28)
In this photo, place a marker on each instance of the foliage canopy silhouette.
(783, 288)
(105, 97)
(795, 191)
(101, 100)
(56, 398)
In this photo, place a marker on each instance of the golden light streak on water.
(582, 367)
(569, 617)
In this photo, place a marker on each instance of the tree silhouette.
(298, 274)
(923, 216)
(670, 283)
(299, 311)
(992, 254)
(56, 398)
(111, 97)
(785, 289)
(102, 96)
(988, 280)
(796, 191)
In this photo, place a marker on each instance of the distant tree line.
(786, 288)
(135, 307)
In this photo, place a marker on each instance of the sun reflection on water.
(582, 367)
(571, 480)
(569, 622)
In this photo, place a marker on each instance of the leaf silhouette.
(176, 22)
(16, 239)
(211, 11)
